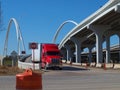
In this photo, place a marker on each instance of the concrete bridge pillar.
(90, 53)
(77, 49)
(73, 56)
(107, 49)
(78, 52)
(99, 48)
(99, 31)
(63, 52)
(68, 49)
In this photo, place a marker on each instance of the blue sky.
(39, 19)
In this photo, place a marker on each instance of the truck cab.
(50, 56)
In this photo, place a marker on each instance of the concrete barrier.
(109, 65)
(116, 66)
(93, 64)
(24, 65)
(99, 65)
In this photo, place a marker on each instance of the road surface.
(72, 78)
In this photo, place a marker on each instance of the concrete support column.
(77, 49)
(99, 31)
(72, 56)
(90, 54)
(99, 48)
(68, 52)
(63, 52)
(107, 49)
(78, 53)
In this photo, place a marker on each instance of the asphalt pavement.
(72, 78)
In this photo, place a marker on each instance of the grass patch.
(5, 70)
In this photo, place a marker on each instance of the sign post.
(33, 46)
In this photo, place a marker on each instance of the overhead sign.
(33, 45)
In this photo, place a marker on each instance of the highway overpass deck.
(92, 32)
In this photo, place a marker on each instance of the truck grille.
(55, 61)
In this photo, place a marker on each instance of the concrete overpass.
(92, 32)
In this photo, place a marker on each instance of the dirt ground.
(5, 70)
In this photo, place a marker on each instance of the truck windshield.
(53, 53)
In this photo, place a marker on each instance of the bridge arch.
(19, 36)
(60, 27)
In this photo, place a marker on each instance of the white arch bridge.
(19, 37)
(22, 56)
(92, 32)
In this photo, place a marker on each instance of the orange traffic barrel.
(29, 80)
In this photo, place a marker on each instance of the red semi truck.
(48, 55)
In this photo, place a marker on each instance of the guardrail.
(25, 65)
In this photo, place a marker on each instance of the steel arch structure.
(19, 36)
(60, 27)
